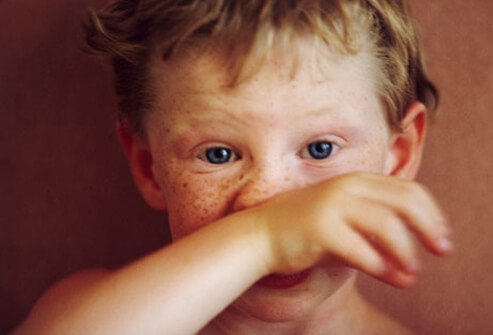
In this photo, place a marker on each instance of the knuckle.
(411, 194)
(419, 190)
(348, 182)
(393, 234)
(388, 225)
(357, 252)
(409, 188)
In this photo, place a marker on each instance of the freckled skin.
(269, 120)
(252, 196)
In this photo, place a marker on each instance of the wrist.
(252, 229)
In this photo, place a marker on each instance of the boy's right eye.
(218, 155)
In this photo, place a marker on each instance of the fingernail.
(385, 269)
(413, 267)
(402, 279)
(445, 245)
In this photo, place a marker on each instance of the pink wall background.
(67, 201)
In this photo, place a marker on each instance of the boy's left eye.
(218, 155)
(318, 150)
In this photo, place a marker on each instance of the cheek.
(368, 156)
(195, 201)
(372, 158)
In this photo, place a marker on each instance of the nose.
(263, 183)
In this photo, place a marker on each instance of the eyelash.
(310, 150)
(207, 155)
(325, 149)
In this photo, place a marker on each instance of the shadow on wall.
(68, 202)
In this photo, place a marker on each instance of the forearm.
(176, 290)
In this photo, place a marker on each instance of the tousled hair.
(128, 31)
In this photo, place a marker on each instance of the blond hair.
(129, 30)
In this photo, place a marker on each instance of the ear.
(141, 162)
(407, 143)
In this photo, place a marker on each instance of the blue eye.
(219, 155)
(320, 149)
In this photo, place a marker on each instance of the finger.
(399, 279)
(356, 251)
(398, 191)
(382, 228)
(423, 215)
(415, 206)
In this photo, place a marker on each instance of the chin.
(298, 302)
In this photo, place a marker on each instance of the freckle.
(185, 185)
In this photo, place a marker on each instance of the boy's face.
(217, 150)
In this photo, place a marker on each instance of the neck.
(341, 313)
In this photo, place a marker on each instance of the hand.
(366, 220)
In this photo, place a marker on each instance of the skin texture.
(270, 208)
(268, 121)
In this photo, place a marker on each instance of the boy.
(281, 137)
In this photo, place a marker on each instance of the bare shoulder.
(59, 298)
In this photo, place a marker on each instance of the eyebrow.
(217, 113)
(323, 111)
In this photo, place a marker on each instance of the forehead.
(205, 69)
(306, 78)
